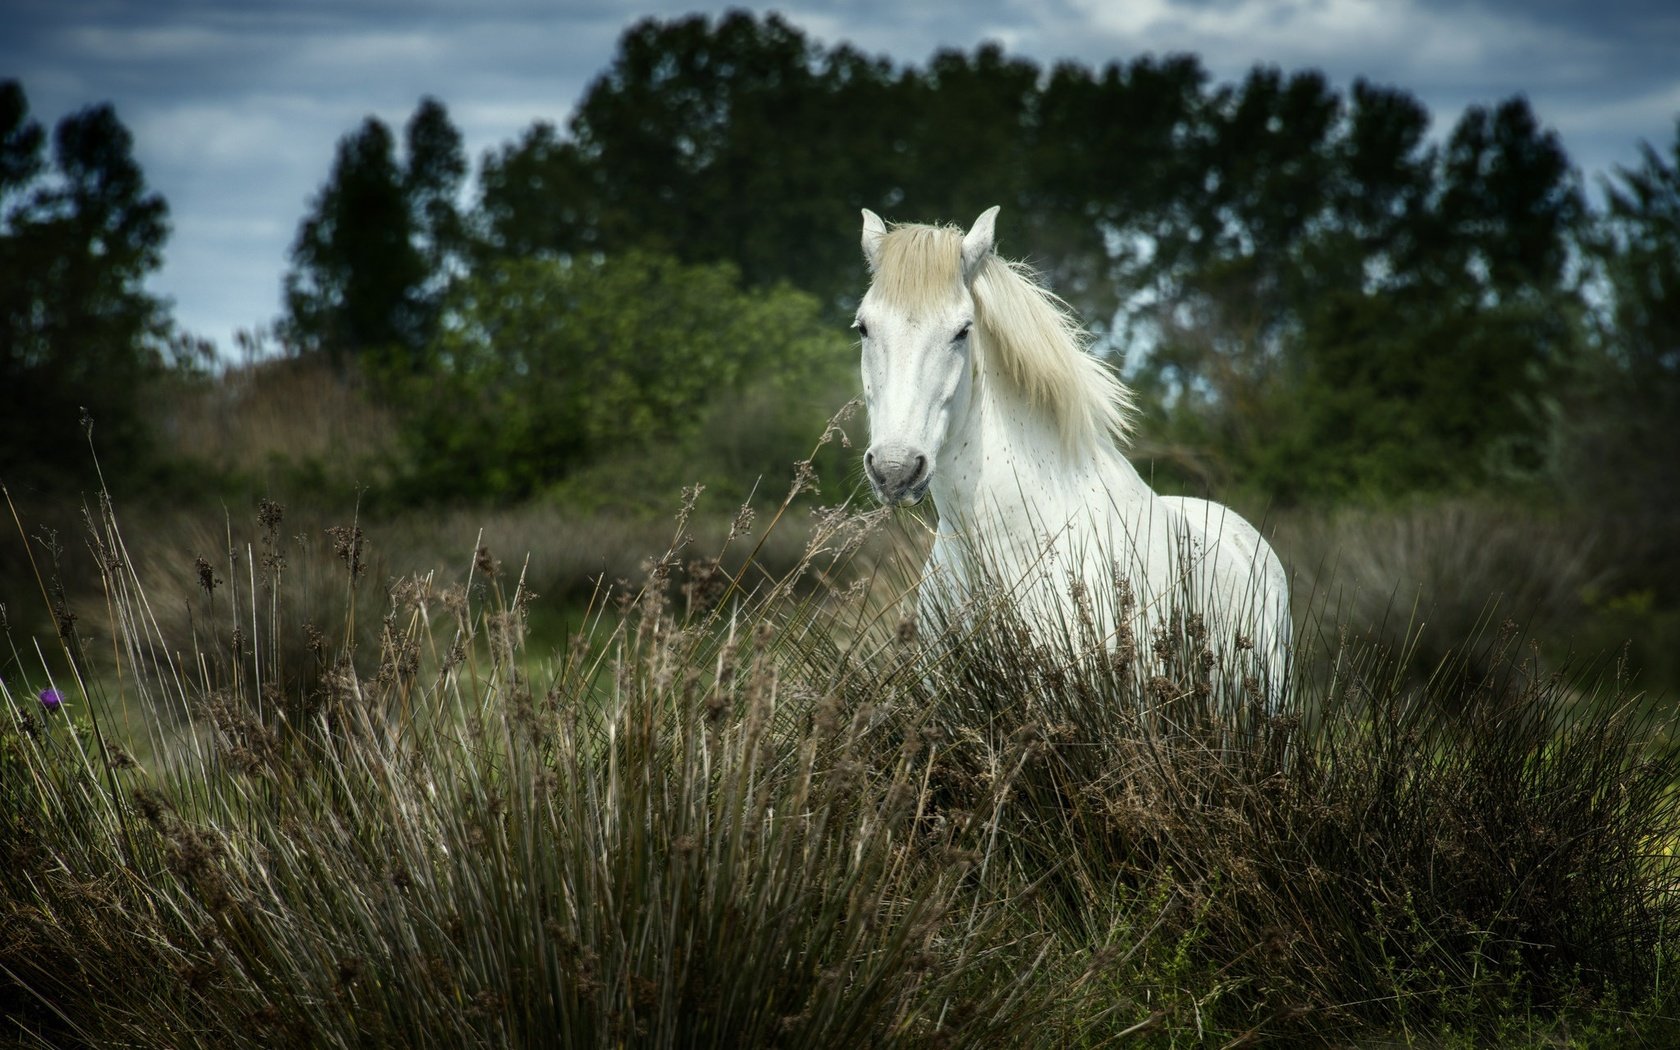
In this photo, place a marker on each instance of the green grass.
(732, 808)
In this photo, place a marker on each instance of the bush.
(1488, 842)
(545, 368)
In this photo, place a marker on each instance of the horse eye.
(862, 328)
(962, 333)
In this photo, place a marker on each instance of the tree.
(1352, 312)
(78, 331)
(1256, 243)
(1643, 252)
(1107, 176)
(1491, 312)
(1509, 203)
(535, 200)
(545, 366)
(437, 165)
(372, 258)
(736, 139)
(1223, 281)
(707, 142)
(1618, 423)
(20, 141)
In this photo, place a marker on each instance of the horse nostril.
(921, 468)
(869, 466)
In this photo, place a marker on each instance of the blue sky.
(236, 107)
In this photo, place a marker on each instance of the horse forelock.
(1030, 336)
(919, 267)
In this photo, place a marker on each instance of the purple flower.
(51, 699)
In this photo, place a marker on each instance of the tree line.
(1317, 299)
(79, 232)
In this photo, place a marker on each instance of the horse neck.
(1007, 463)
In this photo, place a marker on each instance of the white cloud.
(227, 135)
(1602, 134)
(1401, 41)
(130, 44)
(359, 53)
(1629, 116)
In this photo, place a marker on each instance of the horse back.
(1240, 563)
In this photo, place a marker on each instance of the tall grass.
(758, 807)
(1485, 846)
(1425, 578)
(278, 420)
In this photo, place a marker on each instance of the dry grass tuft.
(279, 418)
(1429, 579)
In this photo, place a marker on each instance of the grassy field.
(532, 777)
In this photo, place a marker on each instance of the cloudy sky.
(236, 105)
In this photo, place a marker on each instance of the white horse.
(981, 392)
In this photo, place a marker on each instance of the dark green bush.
(547, 368)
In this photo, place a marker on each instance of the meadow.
(541, 777)
(278, 768)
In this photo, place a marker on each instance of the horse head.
(916, 323)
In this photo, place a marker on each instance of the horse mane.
(1029, 335)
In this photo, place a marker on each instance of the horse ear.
(977, 243)
(873, 230)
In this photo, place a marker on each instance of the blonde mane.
(1028, 336)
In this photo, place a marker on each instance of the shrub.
(545, 367)
(654, 836)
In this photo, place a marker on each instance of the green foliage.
(1369, 423)
(1323, 338)
(1508, 202)
(78, 332)
(1644, 220)
(1623, 402)
(739, 138)
(437, 164)
(1306, 285)
(546, 367)
(682, 148)
(1316, 301)
(1614, 420)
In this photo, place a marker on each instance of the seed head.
(207, 577)
(347, 544)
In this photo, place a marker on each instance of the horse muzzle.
(897, 475)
